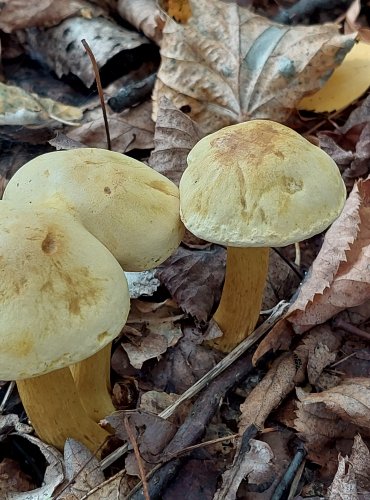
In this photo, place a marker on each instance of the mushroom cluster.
(82, 216)
(249, 187)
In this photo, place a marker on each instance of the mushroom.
(132, 209)
(63, 297)
(252, 186)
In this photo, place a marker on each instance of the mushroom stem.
(240, 305)
(52, 404)
(92, 380)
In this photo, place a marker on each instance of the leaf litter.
(207, 79)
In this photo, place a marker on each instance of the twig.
(342, 360)
(277, 313)
(134, 444)
(286, 480)
(100, 90)
(295, 482)
(7, 396)
(343, 325)
(194, 426)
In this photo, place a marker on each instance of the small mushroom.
(63, 297)
(132, 209)
(252, 186)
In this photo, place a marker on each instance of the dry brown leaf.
(82, 469)
(256, 465)
(284, 374)
(339, 277)
(197, 480)
(194, 279)
(322, 346)
(227, 64)
(131, 129)
(360, 459)
(184, 364)
(344, 485)
(174, 136)
(21, 14)
(154, 340)
(144, 15)
(350, 401)
(114, 488)
(155, 401)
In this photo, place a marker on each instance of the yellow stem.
(92, 380)
(52, 404)
(240, 305)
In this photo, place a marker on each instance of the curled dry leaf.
(322, 346)
(21, 14)
(144, 15)
(350, 401)
(339, 277)
(227, 64)
(18, 107)
(174, 136)
(54, 474)
(153, 341)
(280, 380)
(256, 466)
(360, 459)
(194, 279)
(82, 469)
(344, 485)
(61, 49)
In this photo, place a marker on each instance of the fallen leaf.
(144, 15)
(174, 136)
(184, 364)
(18, 107)
(21, 14)
(194, 279)
(155, 401)
(339, 277)
(256, 466)
(131, 129)
(60, 48)
(360, 460)
(280, 380)
(350, 401)
(344, 486)
(114, 488)
(10, 423)
(82, 469)
(54, 473)
(228, 65)
(342, 88)
(153, 341)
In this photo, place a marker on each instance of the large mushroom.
(63, 297)
(249, 187)
(132, 209)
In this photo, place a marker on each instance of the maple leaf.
(228, 65)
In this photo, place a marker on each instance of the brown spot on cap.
(49, 244)
(107, 190)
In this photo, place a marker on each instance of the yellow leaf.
(347, 83)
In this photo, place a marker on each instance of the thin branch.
(100, 90)
(135, 446)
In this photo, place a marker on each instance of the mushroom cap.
(132, 209)
(259, 184)
(63, 296)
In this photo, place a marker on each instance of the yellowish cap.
(132, 209)
(259, 184)
(63, 296)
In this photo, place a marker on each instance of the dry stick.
(133, 441)
(7, 396)
(290, 473)
(343, 325)
(194, 426)
(100, 90)
(277, 313)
